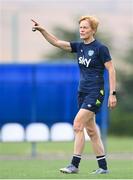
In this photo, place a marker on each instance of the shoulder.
(103, 52)
(100, 45)
(75, 45)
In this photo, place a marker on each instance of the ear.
(93, 32)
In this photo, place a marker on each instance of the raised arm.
(51, 38)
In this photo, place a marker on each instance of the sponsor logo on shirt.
(84, 61)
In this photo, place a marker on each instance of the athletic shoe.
(100, 171)
(69, 169)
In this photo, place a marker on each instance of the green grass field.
(16, 160)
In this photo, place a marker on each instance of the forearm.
(112, 83)
(49, 37)
(112, 80)
(54, 40)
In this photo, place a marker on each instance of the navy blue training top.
(91, 58)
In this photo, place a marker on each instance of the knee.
(92, 133)
(78, 127)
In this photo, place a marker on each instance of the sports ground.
(16, 161)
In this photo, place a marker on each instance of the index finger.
(34, 22)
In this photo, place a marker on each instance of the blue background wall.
(42, 93)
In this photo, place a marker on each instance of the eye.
(83, 27)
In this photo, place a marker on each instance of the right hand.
(36, 26)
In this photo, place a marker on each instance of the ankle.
(76, 160)
(102, 163)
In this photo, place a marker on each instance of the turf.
(16, 162)
(119, 169)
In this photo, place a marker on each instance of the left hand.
(112, 101)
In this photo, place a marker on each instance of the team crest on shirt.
(90, 52)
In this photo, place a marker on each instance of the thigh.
(82, 118)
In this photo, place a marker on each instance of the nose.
(82, 30)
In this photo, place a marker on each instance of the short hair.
(94, 22)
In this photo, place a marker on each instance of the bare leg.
(98, 147)
(85, 119)
(80, 120)
(94, 135)
(79, 143)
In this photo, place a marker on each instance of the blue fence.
(42, 93)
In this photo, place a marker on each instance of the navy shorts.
(91, 101)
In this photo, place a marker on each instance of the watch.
(113, 93)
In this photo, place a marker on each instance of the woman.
(93, 57)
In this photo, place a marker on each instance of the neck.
(89, 40)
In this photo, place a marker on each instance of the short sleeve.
(104, 54)
(74, 46)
